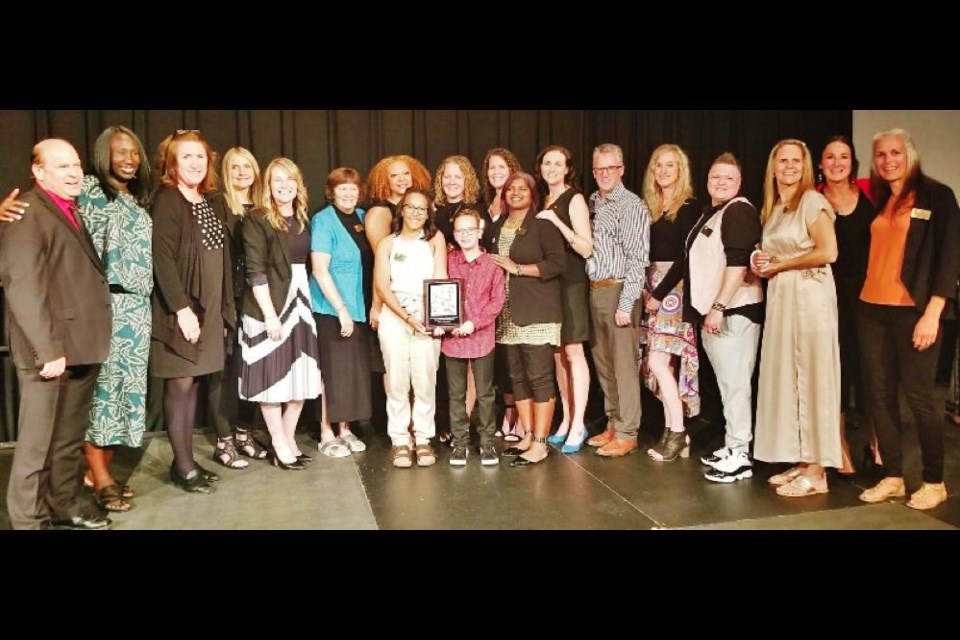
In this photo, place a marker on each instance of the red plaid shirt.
(484, 293)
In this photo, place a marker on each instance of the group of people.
(109, 280)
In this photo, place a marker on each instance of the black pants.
(486, 405)
(888, 357)
(532, 370)
(45, 476)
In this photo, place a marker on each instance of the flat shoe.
(801, 487)
(355, 444)
(335, 449)
(784, 478)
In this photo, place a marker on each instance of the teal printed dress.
(122, 231)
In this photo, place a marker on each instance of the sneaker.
(714, 458)
(736, 466)
(489, 455)
(458, 457)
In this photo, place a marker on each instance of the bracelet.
(519, 270)
(343, 305)
(719, 307)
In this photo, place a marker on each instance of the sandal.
(335, 449)
(402, 456)
(227, 455)
(801, 487)
(126, 492)
(784, 478)
(249, 446)
(426, 456)
(355, 444)
(110, 499)
(928, 496)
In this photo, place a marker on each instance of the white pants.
(733, 355)
(411, 360)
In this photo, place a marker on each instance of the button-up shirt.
(621, 242)
(484, 293)
(68, 207)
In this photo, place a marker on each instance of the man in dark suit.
(58, 308)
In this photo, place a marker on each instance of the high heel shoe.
(573, 448)
(675, 445)
(296, 465)
(304, 458)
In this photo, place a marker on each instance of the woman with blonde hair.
(670, 363)
(798, 401)
(278, 335)
(456, 187)
(239, 195)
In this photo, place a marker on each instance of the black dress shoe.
(209, 476)
(193, 482)
(83, 522)
(304, 458)
(520, 461)
(296, 465)
(512, 451)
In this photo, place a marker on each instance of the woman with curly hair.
(455, 187)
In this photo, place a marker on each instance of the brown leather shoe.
(602, 438)
(616, 448)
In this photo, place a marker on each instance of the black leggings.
(180, 414)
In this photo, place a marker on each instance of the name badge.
(707, 231)
(920, 214)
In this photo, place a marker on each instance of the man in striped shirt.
(621, 250)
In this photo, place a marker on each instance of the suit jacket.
(266, 252)
(57, 296)
(535, 300)
(931, 259)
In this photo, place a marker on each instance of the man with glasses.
(621, 250)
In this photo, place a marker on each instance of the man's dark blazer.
(57, 297)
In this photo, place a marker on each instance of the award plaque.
(443, 303)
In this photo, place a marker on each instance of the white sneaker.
(736, 466)
(713, 459)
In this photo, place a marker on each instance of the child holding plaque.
(472, 343)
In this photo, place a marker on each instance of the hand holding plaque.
(443, 304)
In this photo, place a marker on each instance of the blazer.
(57, 296)
(265, 252)
(233, 227)
(177, 272)
(931, 259)
(535, 300)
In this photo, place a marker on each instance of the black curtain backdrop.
(319, 141)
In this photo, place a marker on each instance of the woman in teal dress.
(113, 209)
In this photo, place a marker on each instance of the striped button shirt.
(621, 242)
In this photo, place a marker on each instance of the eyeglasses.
(470, 231)
(603, 171)
(180, 132)
(411, 209)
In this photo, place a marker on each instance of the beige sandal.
(928, 496)
(784, 478)
(426, 456)
(800, 487)
(402, 456)
(884, 490)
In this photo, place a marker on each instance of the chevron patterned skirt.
(288, 369)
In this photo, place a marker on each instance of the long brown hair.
(167, 161)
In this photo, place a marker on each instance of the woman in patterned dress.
(670, 364)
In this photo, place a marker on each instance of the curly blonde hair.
(471, 186)
(269, 208)
(378, 181)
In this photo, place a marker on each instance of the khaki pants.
(615, 357)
